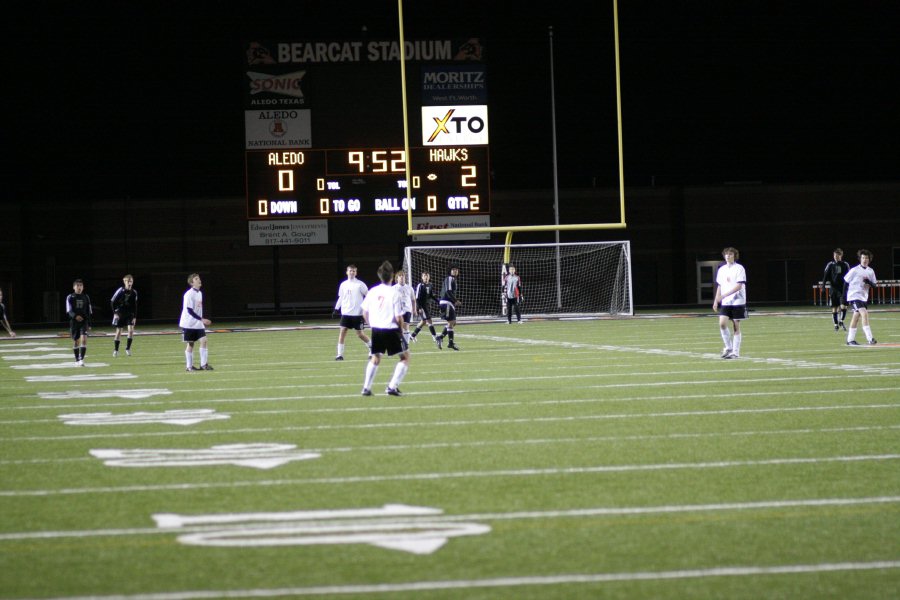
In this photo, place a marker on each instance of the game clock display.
(320, 183)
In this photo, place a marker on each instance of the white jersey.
(350, 297)
(726, 278)
(856, 289)
(382, 307)
(407, 296)
(193, 300)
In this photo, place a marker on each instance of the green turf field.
(556, 459)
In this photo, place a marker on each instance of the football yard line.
(533, 442)
(435, 476)
(624, 511)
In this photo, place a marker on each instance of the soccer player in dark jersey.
(78, 307)
(424, 293)
(835, 271)
(124, 307)
(449, 303)
(3, 320)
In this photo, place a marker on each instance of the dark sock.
(450, 335)
(128, 343)
(116, 342)
(431, 329)
(83, 351)
(843, 315)
(77, 353)
(834, 316)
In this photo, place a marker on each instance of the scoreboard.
(348, 182)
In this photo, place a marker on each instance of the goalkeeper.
(512, 286)
(424, 293)
(449, 303)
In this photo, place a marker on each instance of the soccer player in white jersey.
(383, 311)
(193, 325)
(859, 279)
(731, 301)
(407, 300)
(351, 293)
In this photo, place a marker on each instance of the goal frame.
(621, 304)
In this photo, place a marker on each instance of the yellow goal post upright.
(509, 230)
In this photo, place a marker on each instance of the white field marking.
(27, 347)
(682, 353)
(130, 394)
(537, 441)
(455, 423)
(37, 356)
(65, 365)
(392, 526)
(257, 456)
(534, 472)
(85, 377)
(170, 417)
(455, 406)
(166, 522)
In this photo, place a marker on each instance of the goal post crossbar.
(517, 228)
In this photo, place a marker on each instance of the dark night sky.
(132, 102)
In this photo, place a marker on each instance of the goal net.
(570, 279)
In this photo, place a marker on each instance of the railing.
(884, 292)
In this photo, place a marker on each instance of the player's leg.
(116, 341)
(864, 320)
(130, 338)
(342, 335)
(854, 323)
(736, 338)
(726, 335)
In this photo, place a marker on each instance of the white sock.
(726, 337)
(868, 331)
(204, 356)
(851, 334)
(340, 350)
(371, 369)
(737, 343)
(399, 374)
(188, 358)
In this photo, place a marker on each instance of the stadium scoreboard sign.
(354, 182)
(324, 133)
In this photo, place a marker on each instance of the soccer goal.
(558, 280)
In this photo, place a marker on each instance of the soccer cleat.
(853, 343)
(509, 322)
(191, 369)
(412, 337)
(438, 341)
(842, 326)
(206, 367)
(726, 353)
(521, 321)
(79, 363)
(115, 353)
(453, 345)
(837, 327)
(873, 341)
(128, 352)
(732, 356)
(367, 392)
(338, 358)
(393, 392)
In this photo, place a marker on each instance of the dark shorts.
(125, 319)
(859, 305)
(388, 341)
(192, 335)
(423, 314)
(77, 328)
(448, 312)
(351, 322)
(407, 317)
(735, 313)
(837, 297)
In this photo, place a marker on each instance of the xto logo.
(454, 126)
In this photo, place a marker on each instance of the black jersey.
(451, 288)
(424, 291)
(124, 301)
(79, 305)
(835, 271)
